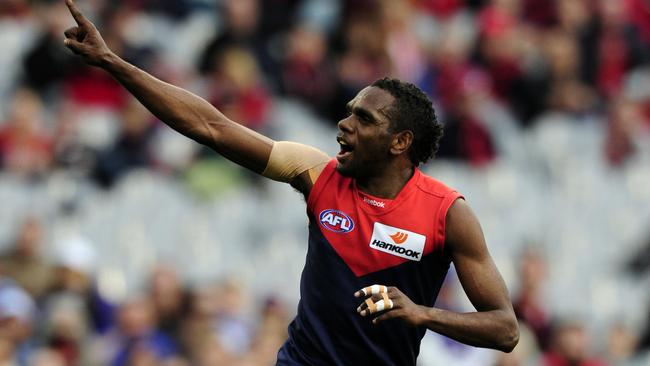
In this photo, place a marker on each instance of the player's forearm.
(496, 329)
(181, 110)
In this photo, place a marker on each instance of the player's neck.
(388, 184)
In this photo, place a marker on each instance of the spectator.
(618, 47)
(529, 306)
(17, 310)
(621, 344)
(75, 261)
(70, 151)
(237, 88)
(241, 31)
(402, 45)
(270, 335)
(139, 341)
(231, 323)
(363, 58)
(46, 357)
(91, 88)
(540, 12)
(210, 352)
(198, 324)
(169, 300)
(67, 329)
(500, 45)
(24, 262)
(639, 15)
(570, 346)
(25, 148)
(441, 8)
(467, 136)
(625, 121)
(15, 8)
(307, 71)
(131, 150)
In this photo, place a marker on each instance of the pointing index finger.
(76, 14)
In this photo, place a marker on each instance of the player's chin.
(345, 169)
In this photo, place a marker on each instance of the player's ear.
(401, 142)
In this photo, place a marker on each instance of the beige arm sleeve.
(290, 159)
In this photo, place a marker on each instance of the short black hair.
(413, 110)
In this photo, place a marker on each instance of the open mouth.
(346, 150)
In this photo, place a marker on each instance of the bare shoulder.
(462, 229)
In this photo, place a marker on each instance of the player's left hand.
(391, 303)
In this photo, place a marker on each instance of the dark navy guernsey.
(357, 240)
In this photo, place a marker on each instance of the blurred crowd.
(481, 61)
(52, 313)
(55, 312)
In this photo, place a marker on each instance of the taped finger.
(381, 305)
(372, 307)
(384, 304)
(387, 301)
(374, 290)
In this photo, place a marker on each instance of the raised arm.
(494, 324)
(191, 115)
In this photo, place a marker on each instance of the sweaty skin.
(375, 157)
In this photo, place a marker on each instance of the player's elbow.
(209, 133)
(510, 335)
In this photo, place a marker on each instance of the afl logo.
(336, 221)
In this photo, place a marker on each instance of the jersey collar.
(379, 206)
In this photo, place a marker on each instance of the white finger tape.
(381, 305)
(374, 290)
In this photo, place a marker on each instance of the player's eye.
(364, 118)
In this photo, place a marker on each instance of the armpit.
(290, 159)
